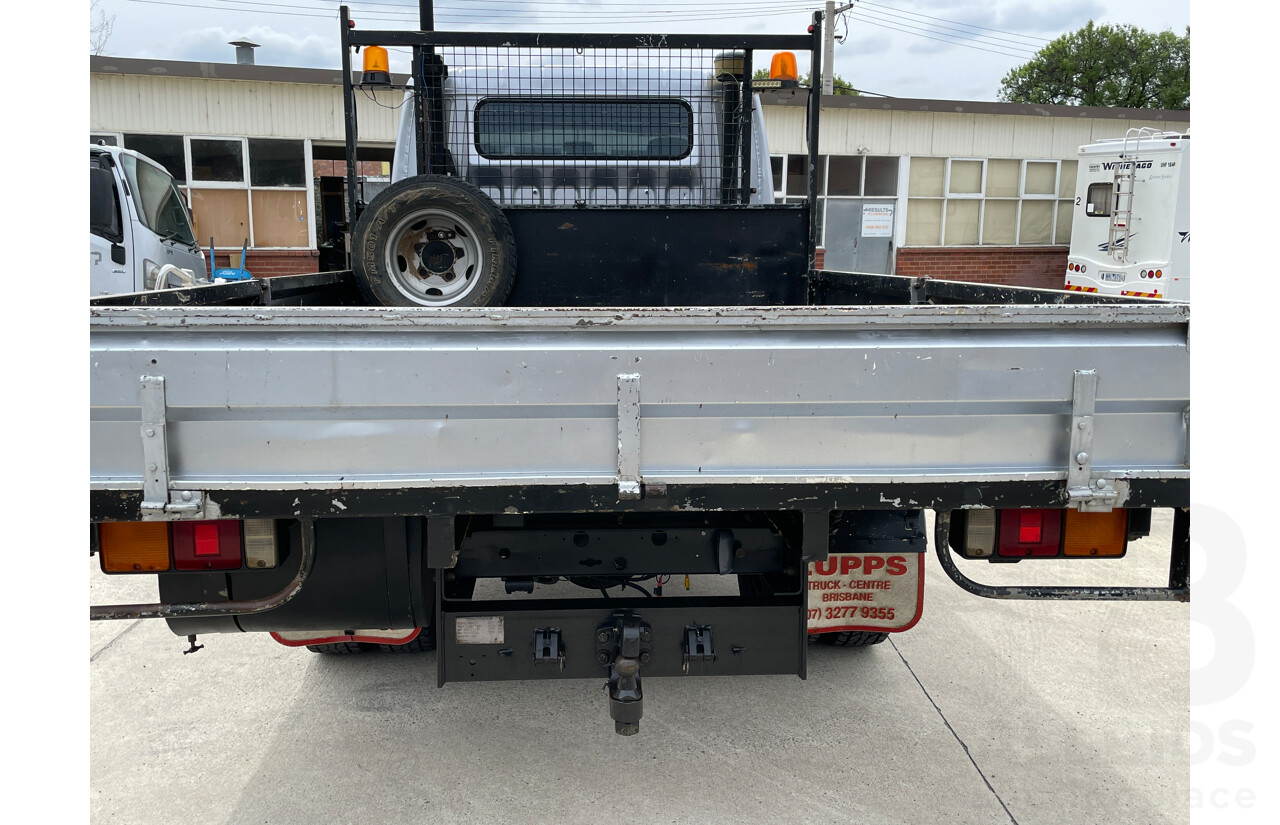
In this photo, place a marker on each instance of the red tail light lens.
(207, 545)
(1030, 533)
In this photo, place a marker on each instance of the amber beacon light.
(376, 67)
(783, 69)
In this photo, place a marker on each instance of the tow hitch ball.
(624, 645)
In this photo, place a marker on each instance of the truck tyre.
(851, 638)
(433, 241)
(423, 642)
(337, 647)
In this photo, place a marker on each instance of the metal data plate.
(300, 398)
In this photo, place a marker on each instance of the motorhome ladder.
(1121, 209)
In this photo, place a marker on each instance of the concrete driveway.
(985, 712)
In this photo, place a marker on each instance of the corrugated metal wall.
(200, 106)
(943, 134)
(193, 106)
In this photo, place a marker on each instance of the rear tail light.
(206, 545)
(134, 546)
(1011, 535)
(260, 550)
(1029, 533)
(980, 534)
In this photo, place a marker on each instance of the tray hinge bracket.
(159, 503)
(628, 436)
(1085, 491)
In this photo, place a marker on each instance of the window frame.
(687, 111)
(1055, 197)
(245, 185)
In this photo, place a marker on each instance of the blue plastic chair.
(231, 274)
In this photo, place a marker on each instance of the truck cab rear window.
(584, 129)
(1099, 200)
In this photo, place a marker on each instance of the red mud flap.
(301, 638)
(881, 592)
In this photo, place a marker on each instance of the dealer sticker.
(866, 591)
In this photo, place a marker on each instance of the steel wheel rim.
(421, 270)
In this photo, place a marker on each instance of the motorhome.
(1131, 229)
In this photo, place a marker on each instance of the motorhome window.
(165, 150)
(160, 206)
(584, 129)
(217, 161)
(1098, 202)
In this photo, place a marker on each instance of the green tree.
(841, 86)
(1106, 66)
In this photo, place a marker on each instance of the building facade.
(950, 189)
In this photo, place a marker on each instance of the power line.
(871, 22)
(957, 22)
(980, 38)
(260, 7)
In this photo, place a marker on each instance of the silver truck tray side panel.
(304, 398)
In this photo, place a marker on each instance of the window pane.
(104, 208)
(1002, 178)
(1036, 225)
(1041, 178)
(924, 220)
(1098, 200)
(999, 222)
(165, 150)
(1063, 231)
(926, 177)
(221, 213)
(966, 177)
(276, 163)
(584, 129)
(881, 178)
(846, 175)
(279, 218)
(820, 215)
(217, 160)
(1067, 180)
(775, 162)
(104, 140)
(798, 177)
(962, 222)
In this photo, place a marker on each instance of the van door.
(110, 270)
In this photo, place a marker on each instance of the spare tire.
(433, 241)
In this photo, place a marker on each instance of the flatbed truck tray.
(298, 411)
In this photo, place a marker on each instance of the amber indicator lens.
(134, 546)
(1095, 534)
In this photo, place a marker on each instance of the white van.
(140, 235)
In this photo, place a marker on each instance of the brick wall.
(268, 263)
(338, 168)
(1039, 267)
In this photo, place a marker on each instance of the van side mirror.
(117, 253)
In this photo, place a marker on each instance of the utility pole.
(829, 46)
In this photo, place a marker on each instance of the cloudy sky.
(949, 49)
